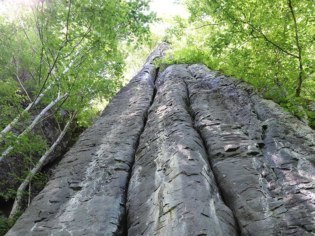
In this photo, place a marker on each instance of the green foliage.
(68, 47)
(10, 102)
(5, 225)
(84, 40)
(266, 43)
(10, 194)
(30, 145)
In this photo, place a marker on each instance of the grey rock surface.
(262, 157)
(172, 189)
(187, 152)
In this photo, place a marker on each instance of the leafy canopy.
(269, 44)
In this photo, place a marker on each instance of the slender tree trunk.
(299, 47)
(32, 125)
(40, 164)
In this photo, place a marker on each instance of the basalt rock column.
(172, 189)
(262, 157)
(87, 193)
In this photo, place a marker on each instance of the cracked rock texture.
(172, 189)
(183, 152)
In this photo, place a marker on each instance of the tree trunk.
(35, 121)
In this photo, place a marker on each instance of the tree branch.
(18, 78)
(205, 25)
(268, 40)
(297, 41)
(68, 21)
(254, 28)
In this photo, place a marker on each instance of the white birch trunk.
(32, 125)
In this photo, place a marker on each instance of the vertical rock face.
(262, 157)
(172, 189)
(186, 152)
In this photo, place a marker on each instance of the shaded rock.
(231, 148)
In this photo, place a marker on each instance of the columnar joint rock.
(172, 189)
(263, 158)
(187, 152)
